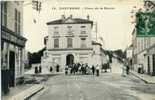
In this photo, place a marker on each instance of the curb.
(147, 82)
(46, 74)
(139, 78)
(53, 74)
(27, 98)
(28, 93)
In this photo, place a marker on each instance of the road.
(108, 86)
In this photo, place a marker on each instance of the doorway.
(12, 69)
(69, 59)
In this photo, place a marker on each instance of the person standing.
(66, 70)
(93, 69)
(57, 68)
(97, 70)
(74, 68)
(51, 69)
(71, 68)
(123, 71)
(36, 70)
(79, 69)
(86, 68)
(40, 69)
(127, 69)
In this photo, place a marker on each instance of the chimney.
(63, 17)
(87, 17)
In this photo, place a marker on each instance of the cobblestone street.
(108, 86)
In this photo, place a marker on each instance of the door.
(69, 59)
(12, 69)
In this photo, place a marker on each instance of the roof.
(130, 47)
(70, 21)
(96, 43)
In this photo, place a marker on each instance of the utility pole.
(96, 31)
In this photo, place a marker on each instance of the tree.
(36, 57)
(120, 54)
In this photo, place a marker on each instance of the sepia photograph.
(77, 49)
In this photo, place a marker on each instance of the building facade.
(129, 51)
(12, 43)
(144, 47)
(69, 41)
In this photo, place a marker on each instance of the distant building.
(12, 43)
(144, 47)
(69, 41)
(129, 55)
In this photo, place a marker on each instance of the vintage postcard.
(77, 49)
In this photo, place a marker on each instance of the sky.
(113, 18)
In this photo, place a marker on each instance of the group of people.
(83, 69)
(37, 70)
(126, 68)
(57, 68)
(106, 66)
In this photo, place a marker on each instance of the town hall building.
(70, 41)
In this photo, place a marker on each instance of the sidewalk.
(144, 77)
(23, 92)
(45, 71)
